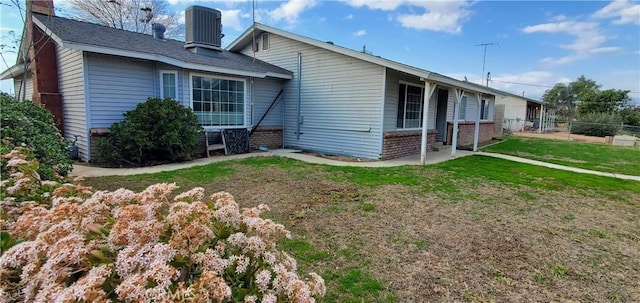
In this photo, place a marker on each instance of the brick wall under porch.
(398, 144)
(466, 132)
(268, 136)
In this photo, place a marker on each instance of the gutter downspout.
(299, 95)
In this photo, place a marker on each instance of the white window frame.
(265, 38)
(462, 111)
(405, 105)
(162, 72)
(244, 91)
(485, 108)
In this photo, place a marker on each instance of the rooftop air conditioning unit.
(203, 27)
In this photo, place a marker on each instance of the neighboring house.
(89, 75)
(522, 113)
(342, 101)
(334, 100)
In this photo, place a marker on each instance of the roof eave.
(172, 61)
(156, 57)
(13, 72)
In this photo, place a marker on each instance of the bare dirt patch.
(562, 135)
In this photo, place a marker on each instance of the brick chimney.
(44, 62)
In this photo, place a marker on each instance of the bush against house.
(25, 123)
(76, 245)
(156, 131)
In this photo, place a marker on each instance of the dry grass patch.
(471, 230)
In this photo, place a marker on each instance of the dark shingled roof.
(73, 31)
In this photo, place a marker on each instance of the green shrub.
(156, 131)
(596, 124)
(30, 124)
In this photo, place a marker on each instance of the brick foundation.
(466, 131)
(398, 144)
(96, 133)
(269, 136)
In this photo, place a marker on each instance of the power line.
(538, 85)
(519, 83)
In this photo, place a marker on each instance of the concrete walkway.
(557, 166)
(432, 157)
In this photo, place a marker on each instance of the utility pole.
(484, 57)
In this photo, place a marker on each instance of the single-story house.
(331, 99)
(343, 101)
(522, 113)
(88, 75)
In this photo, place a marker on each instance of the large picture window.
(410, 106)
(218, 102)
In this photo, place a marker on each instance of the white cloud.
(624, 11)
(172, 2)
(559, 18)
(231, 19)
(588, 39)
(360, 33)
(291, 10)
(385, 5)
(348, 17)
(445, 16)
(602, 50)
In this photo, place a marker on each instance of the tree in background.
(584, 96)
(562, 99)
(132, 15)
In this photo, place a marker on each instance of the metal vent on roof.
(203, 27)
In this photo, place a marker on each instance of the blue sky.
(538, 43)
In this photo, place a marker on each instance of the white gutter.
(14, 71)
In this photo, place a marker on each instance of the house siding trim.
(87, 102)
(383, 98)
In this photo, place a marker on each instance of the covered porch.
(423, 110)
(539, 118)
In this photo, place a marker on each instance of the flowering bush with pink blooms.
(122, 246)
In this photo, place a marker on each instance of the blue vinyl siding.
(341, 99)
(71, 83)
(116, 86)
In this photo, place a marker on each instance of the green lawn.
(474, 229)
(600, 157)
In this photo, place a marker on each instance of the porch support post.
(429, 88)
(477, 130)
(456, 115)
(542, 116)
